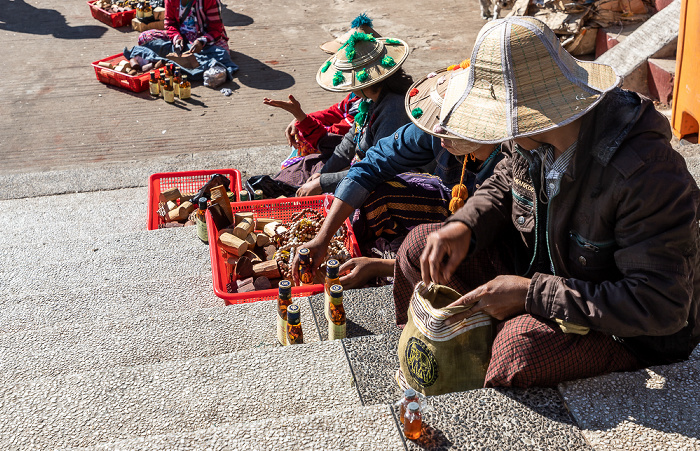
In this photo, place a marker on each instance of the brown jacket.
(622, 233)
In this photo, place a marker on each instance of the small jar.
(306, 276)
(409, 396)
(413, 421)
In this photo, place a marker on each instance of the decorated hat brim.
(375, 70)
(334, 45)
(425, 98)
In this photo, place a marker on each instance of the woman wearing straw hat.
(371, 68)
(387, 191)
(600, 214)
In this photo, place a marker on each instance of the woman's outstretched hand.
(292, 106)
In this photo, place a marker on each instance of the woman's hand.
(312, 187)
(451, 242)
(501, 298)
(356, 272)
(197, 46)
(291, 132)
(293, 107)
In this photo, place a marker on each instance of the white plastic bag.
(215, 76)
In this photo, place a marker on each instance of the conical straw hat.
(361, 23)
(363, 61)
(425, 98)
(521, 82)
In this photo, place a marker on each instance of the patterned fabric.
(151, 35)
(552, 169)
(529, 352)
(398, 205)
(208, 21)
(476, 270)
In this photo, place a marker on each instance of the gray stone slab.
(369, 311)
(652, 36)
(93, 345)
(650, 409)
(374, 362)
(491, 419)
(94, 407)
(361, 428)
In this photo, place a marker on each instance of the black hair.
(398, 82)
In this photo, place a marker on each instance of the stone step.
(662, 72)
(121, 403)
(140, 340)
(350, 427)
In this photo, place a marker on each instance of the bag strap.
(187, 10)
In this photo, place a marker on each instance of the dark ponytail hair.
(398, 82)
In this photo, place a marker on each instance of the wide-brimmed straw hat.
(361, 23)
(425, 98)
(521, 82)
(362, 61)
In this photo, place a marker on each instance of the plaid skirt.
(527, 351)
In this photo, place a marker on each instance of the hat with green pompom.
(362, 61)
(361, 23)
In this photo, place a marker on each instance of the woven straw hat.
(373, 60)
(521, 82)
(361, 23)
(425, 98)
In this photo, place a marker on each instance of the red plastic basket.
(115, 20)
(187, 182)
(284, 210)
(136, 83)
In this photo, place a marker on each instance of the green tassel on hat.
(388, 61)
(362, 76)
(417, 113)
(360, 20)
(326, 66)
(338, 78)
(356, 37)
(392, 41)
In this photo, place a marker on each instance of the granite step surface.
(346, 428)
(101, 344)
(122, 403)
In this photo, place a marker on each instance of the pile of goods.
(116, 6)
(178, 209)
(258, 252)
(134, 66)
(576, 21)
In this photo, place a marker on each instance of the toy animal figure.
(497, 5)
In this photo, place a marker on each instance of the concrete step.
(140, 340)
(662, 72)
(121, 403)
(351, 427)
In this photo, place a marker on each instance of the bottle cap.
(332, 267)
(410, 393)
(336, 290)
(285, 287)
(202, 203)
(293, 314)
(303, 251)
(412, 406)
(243, 195)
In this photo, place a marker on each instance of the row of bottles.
(169, 83)
(144, 11)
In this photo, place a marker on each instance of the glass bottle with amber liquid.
(202, 221)
(409, 396)
(161, 82)
(295, 336)
(153, 86)
(284, 300)
(147, 12)
(185, 88)
(306, 276)
(169, 93)
(332, 278)
(336, 312)
(176, 82)
(413, 421)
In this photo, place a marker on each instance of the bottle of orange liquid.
(413, 421)
(332, 278)
(409, 396)
(284, 300)
(295, 336)
(336, 322)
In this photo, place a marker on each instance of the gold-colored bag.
(435, 358)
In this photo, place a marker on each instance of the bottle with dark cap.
(306, 275)
(409, 396)
(336, 311)
(202, 220)
(332, 278)
(284, 300)
(413, 421)
(295, 336)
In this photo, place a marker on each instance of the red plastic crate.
(283, 210)
(136, 83)
(115, 20)
(188, 182)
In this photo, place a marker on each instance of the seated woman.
(388, 201)
(194, 26)
(370, 68)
